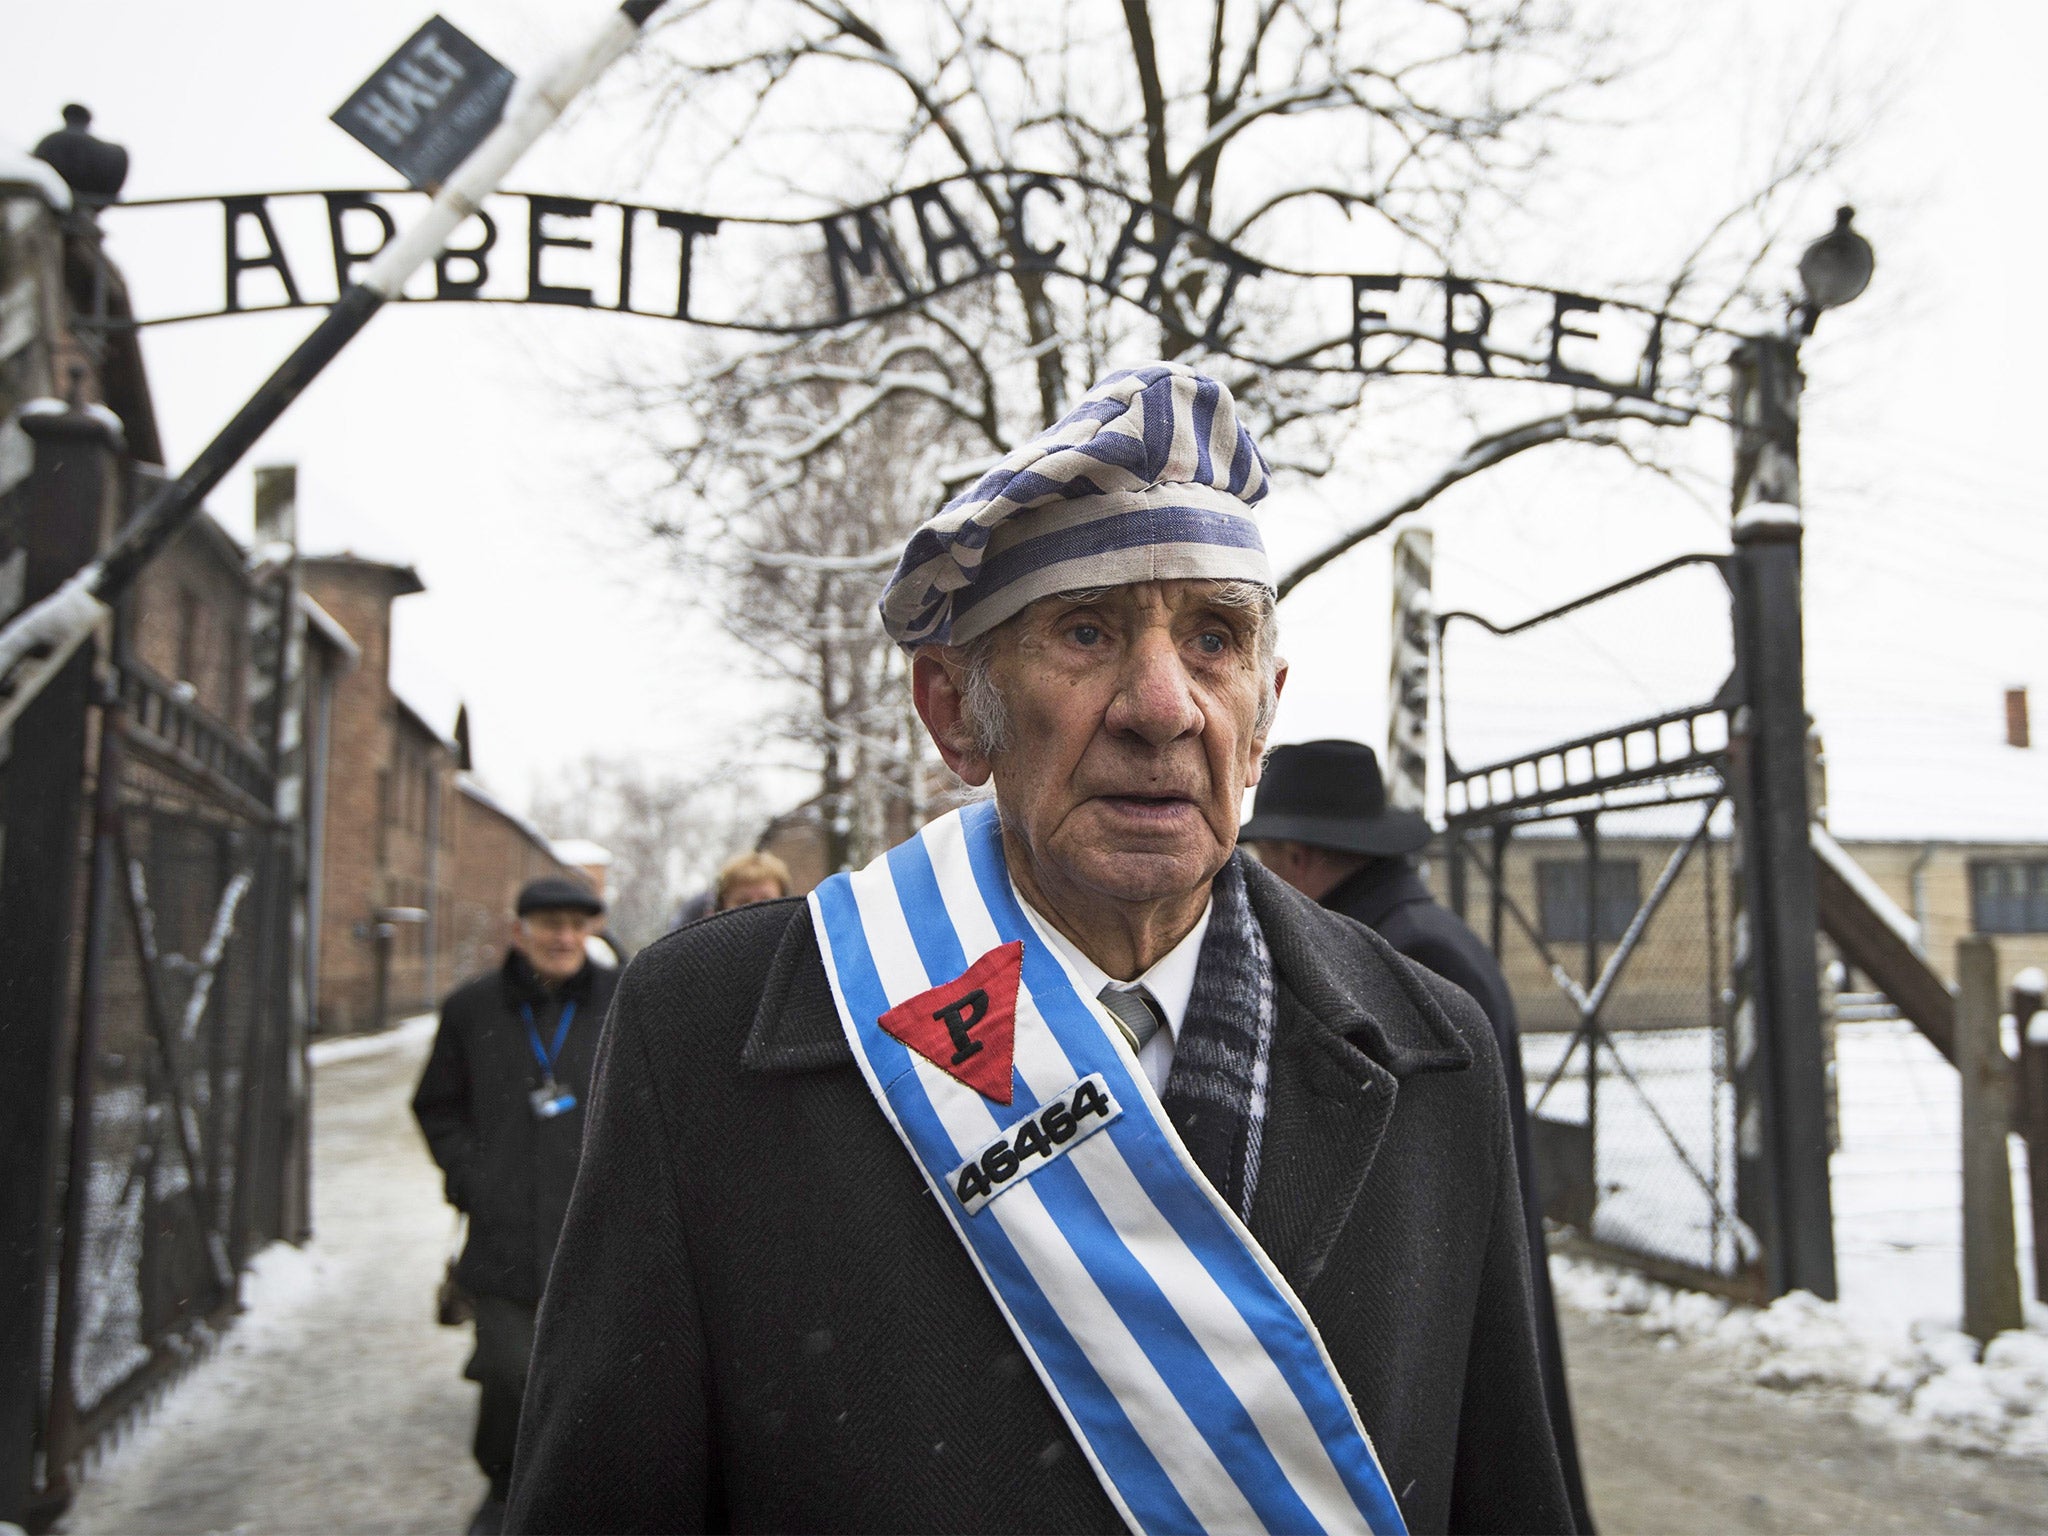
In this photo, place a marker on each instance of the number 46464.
(1034, 1141)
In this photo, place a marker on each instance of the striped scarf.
(1216, 1093)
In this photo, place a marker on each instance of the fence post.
(2032, 1016)
(59, 515)
(1991, 1277)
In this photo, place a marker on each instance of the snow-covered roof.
(582, 852)
(420, 719)
(403, 576)
(329, 628)
(1934, 785)
(469, 784)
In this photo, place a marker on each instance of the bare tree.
(1413, 131)
(798, 474)
(667, 834)
(1271, 117)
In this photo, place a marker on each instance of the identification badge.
(551, 1099)
(1053, 1130)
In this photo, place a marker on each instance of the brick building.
(189, 624)
(421, 863)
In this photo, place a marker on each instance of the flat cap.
(554, 892)
(1151, 477)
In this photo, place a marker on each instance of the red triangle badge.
(967, 1028)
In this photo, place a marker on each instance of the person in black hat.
(1321, 822)
(501, 1103)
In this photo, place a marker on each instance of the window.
(2009, 895)
(1561, 899)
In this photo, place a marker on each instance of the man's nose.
(1153, 699)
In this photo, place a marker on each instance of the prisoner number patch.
(1052, 1130)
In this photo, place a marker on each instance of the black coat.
(759, 1320)
(511, 1171)
(1389, 897)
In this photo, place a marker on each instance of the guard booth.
(159, 811)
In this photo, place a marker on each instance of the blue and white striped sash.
(1188, 1370)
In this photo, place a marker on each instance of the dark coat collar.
(796, 1024)
(1371, 892)
(1374, 1002)
(1354, 1020)
(1378, 1005)
(522, 985)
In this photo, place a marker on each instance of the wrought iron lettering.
(892, 255)
(235, 210)
(539, 237)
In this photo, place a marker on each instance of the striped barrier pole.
(37, 642)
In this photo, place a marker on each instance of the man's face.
(1131, 737)
(551, 939)
(1314, 872)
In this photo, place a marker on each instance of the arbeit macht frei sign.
(282, 250)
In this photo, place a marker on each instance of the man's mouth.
(1148, 806)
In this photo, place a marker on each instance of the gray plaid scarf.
(1216, 1093)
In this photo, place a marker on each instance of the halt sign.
(429, 104)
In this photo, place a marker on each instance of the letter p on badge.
(967, 1027)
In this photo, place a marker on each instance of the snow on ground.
(1930, 1384)
(1891, 1346)
(411, 1034)
(334, 1403)
(1898, 1180)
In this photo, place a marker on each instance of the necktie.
(1137, 1015)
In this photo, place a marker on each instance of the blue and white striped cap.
(1150, 478)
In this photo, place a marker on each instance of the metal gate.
(152, 873)
(181, 1126)
(1603, 871)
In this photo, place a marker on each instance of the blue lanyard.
(549, 1056)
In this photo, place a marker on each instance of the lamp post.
(1782, 1133)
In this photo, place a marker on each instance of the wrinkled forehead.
(1172, 598)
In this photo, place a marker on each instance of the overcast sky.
(454, 438)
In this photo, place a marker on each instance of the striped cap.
(1150, 478)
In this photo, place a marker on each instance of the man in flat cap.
(1322, 823)
(1061, 1170)
(502, 1105)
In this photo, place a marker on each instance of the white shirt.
(1171, 981)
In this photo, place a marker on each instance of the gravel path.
(336, 1405)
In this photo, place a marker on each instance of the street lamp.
(1835, 269)
(1786, 1074)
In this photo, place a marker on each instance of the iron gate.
(181, 1130)
(1604, 872)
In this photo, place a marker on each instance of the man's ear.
(1258, 743)
(935, 686)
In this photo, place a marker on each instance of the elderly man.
(501, 1106)
(1059, 1171)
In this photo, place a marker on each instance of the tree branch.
(1482, 454)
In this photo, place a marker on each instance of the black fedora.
(1329, 794)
